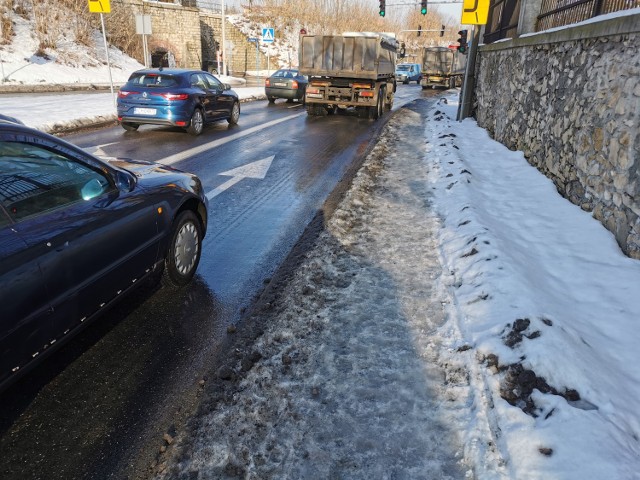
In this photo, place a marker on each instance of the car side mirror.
(226, 86)
(125, 182)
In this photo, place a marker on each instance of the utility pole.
(224, 45)
(468, 85)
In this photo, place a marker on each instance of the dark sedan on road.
(187, 99)
(286, 83)
(77, 233)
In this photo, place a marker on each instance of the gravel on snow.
(350, 377)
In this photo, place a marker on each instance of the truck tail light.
(313, 90)
(362, 85)
(366, 93)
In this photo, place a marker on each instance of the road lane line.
(171, 159)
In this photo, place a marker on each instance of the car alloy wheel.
(235, 114)
(196, 125)
(184, 250)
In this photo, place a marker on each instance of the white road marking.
(257, 169)
(171, 159)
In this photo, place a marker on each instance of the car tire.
(129, 127)
(196, 124)
(183, 253)
(272, 99)
(235, 114)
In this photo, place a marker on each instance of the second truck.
(349, 70)
(442, 67)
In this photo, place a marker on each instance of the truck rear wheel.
(377, 111)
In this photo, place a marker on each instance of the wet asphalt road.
(100, 406)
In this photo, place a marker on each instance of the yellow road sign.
(99, 6)
(475, 12)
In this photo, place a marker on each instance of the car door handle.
(59, 248)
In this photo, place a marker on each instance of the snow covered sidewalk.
(347, 381)
(456, 319)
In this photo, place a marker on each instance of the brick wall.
(188, 33)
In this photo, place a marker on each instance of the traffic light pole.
(464, 106)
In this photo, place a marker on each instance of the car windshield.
(403, 67)
(153, 80)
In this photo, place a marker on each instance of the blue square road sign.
(267, 35)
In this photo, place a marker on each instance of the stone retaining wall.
(187, 33)
(570, 100)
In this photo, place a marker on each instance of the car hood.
(139, 167)
(150, 175)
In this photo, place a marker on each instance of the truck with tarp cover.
(355, 69)
(442, 67)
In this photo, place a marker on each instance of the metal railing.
(502, 21)
(557, 13)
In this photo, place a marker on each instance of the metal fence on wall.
(557, 13)
(502, 21)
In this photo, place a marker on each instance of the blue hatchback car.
(182, 98)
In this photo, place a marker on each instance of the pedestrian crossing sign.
(267, 35)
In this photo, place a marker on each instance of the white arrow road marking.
(257, 169)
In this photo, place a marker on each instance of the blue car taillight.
(171, 96)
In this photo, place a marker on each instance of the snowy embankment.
(548, 306)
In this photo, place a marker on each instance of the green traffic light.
(382, 13)
(423, 11)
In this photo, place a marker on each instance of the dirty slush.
(348, 378)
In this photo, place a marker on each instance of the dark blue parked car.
(77, 233)
(182, 98)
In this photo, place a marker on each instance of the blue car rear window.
(153, 80)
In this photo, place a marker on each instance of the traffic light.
(423, 7)
(419, 30)
(442, 31)
(382, 7)
(462, 41)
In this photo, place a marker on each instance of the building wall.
(174, 28)
(180, 31)
(570, 100)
